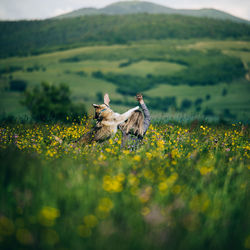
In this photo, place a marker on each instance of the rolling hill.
(94, 70)
(125, 8)
(33, 37)
(184, 65)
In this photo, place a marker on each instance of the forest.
(24, 38)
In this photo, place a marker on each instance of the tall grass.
(184, 188)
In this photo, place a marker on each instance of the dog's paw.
(136, 108)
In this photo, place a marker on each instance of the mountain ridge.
(32, 37)
(134, 7)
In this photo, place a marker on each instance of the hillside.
(33, 37)
(165, 71)
(125, 8)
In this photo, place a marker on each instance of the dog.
(105, 127)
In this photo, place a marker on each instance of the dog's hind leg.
(84, 139)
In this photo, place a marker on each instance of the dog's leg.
(123, 117)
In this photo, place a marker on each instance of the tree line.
(202, 69)
(33, 37)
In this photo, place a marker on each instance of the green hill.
(33, 37)
(124, 8)
(188, 78)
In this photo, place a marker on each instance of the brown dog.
(106, 125)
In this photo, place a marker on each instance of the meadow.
(136, 62)
(186, 187)
(187, 184)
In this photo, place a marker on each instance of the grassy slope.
(32, 37)
(85, 87)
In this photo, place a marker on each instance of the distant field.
(76, 66)
(237, 98)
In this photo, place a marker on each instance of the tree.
(224, 92)
(186, 104)
(49, 102)
(18, 85)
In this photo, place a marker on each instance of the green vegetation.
(187, 188)
(18, 85)
(204, 69)
(33, 37)
(184, 188)
(134, 7)
(179, 69)
(52, 103)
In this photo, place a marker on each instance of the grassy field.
(75, 67)
(183, 188)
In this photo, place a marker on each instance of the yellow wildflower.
(90, 220)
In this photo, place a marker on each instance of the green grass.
(108, 58)
(10, 104)
(237, 99)
(143, 68)
(183, 188)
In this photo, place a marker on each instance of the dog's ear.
(95, 106)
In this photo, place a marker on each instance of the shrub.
(227, 113)
(81, 73)
(208, 97)
(224, 92)
(208, 112)
(198, 101)
(186, 104)
(97, 74)
(18, 85)
(10, 69)
(48, 102)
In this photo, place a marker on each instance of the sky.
(41, 9)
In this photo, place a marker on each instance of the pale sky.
(41, 9)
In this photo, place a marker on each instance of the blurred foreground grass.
(184, 188)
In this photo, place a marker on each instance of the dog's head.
(100, 110)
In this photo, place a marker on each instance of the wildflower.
(176, 189)
(112, 184)
(90, 220)
(205, 170)
(120, 177)
(50, 236)
(133, 180)
(149, 155)
(84, 231)
(199, 203)
(6, 226)
(48, 215)
(162, 187)
(104, 207)
(24, 236)
(145, 211)
(247, 242)
(137, 158)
